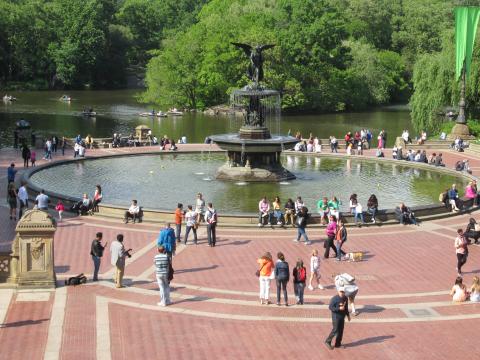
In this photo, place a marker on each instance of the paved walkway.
(405, 309)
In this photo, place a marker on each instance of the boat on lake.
(65, 98)
(174, 112)
(147, 114)
(89, 113)
(161, 114)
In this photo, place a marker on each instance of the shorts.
(316, 272)
(12, 203)
(352, 295)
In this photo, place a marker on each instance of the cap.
(341, 288)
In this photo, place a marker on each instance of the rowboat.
(161, 114)
(175, 113)
(65, 98)
(9, 98)
(147, 114)
(89, 113)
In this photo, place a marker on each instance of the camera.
(127, 253)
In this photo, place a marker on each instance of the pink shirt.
(470, 193)
(331, 228)
(264, 206)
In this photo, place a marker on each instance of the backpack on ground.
(76, 280)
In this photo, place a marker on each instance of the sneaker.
(295, 240)
(310, 287)
(321, 287)
(279, 223)
(307, 243)
(161, 304)
(260, 224)
(373, 221)
(329, 345)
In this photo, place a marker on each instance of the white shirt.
(190, 217)
(358, 208)
(314, 264)
(199, 206)
(116, 251)
(133, 209)
(42, 201)
(22, 194)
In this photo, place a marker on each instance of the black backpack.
(76, 280)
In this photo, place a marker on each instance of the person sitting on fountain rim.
(264, 212)
(290, 212)
(132, 212)
(405, 215)
(277, 210)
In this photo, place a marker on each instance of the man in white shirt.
(132, 212)
(190, 219)
(23, 197)
(118, 254)
(42, 201)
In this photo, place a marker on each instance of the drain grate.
(420, 312)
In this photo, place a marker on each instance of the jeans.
(461, 260)
(22, 206)
(359, 215)
(329, 244)
(187, 231)
(340, 252)
(264, 287)
(164, 289)
(278, 215)
(211, 234)
(178, 232)
(338, 323)
(299, 288)
(372, 211)
(282, 285)
(96, 266)
(301, 232)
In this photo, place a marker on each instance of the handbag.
(257, 273)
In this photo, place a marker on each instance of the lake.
(118, 113)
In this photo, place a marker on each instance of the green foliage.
(474, 127)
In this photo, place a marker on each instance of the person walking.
(25, 155)
(118, 255)
(315, 271)
(461, 249)
(179, 214)
(301, 223)
(282, 276)
(264, 275)
(190, 219)
(60, 209)
(211, 219)
(166, 238)
(162, 269)
(330, 231)
(11, 172)
(42, 200)
(12, 200)
(23, 199)
(347, 281)
(299, 278)
(340, 238)
(96, 250)
(339, 309)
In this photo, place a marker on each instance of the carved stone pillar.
(32, 251)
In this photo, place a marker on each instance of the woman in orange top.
(266, 270)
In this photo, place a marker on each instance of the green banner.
(466, 21)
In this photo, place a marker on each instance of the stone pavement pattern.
(405, 309)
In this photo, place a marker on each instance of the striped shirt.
(161, 264)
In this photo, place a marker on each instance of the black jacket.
(96, 248)
(282, 271)
(335, 306)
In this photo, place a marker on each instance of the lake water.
(118, 113)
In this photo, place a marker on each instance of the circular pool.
(160, 181)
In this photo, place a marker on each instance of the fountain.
(253, 154)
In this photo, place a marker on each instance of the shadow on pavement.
(370, 340)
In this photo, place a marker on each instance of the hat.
(341, 288)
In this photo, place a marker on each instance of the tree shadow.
(370, 340)
(23, 323)
(205, 268)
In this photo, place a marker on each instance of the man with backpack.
(299, 279)
(166, 238)
(211, 219)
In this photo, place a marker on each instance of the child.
(315, 270)
(60, 208)
(33, 157)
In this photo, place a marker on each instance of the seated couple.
(285, 216)
(84, 206)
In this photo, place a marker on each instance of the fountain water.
(253, 154)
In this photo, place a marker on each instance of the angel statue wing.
(245, 47)
(265, 47)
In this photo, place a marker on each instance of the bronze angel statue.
(255, 70)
